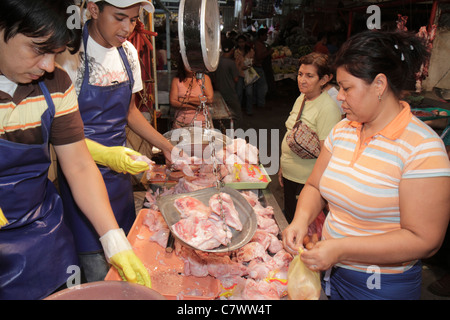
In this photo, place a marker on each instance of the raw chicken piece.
(232, 287)
(156, 173)
(203, 179)
(231, 215)
(263, 211)
(154, 220)
(223, 266)
(258, 270)
(201, 264)
(263, 237)
(248, 152)
(245, 152)
(193, 185)
(189, 206)
(251, 197)
(235, 145)
(267, 224)
(201, 233)
(275, 244)
(252, 251)
(282, 259)
(145, 159)
(259, 290)
(160, 237)
(223, 233)
(187, 164)
(193, 264)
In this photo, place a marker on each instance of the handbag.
(303, 141)
(250, 76)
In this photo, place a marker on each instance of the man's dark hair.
(40, 19)
(102, 4)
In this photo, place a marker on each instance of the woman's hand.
(322, 256)
(186, 104)
(293, 238)
(280, 177)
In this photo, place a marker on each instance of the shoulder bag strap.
(301, 109)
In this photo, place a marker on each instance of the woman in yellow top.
(320, 113)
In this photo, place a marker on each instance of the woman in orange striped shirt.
(384, 174)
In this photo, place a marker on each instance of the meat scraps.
(224, 204)
(257, 270)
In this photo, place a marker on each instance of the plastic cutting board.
(166, 269)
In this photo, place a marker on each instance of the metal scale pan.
(194, 140)
(246, 215)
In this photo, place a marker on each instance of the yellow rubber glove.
(116, 158)
(131, 268)
(3, 220)
(119, 253)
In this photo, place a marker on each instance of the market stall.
(250, 272)
(210, 227)
(285, 61)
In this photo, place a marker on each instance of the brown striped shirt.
(20, 115)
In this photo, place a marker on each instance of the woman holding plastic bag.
(380, 171)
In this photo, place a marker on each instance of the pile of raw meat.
(203, 227)
(236, 162)
(256, 271)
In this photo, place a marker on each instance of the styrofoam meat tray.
(246, 215)
(243, 185)
(166, 269)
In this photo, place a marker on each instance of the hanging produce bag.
(303, 283)
(250, 76)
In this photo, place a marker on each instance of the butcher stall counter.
(256, 271)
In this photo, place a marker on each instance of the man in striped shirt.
(38, 107)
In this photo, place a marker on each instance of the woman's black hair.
(396, 54)
(246, 46)
(40, 19)
(181, 71)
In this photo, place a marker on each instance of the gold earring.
(379, 97)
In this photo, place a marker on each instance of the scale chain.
(211, 138)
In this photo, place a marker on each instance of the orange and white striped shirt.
(361, 181)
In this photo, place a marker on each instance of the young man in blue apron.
(106, 75)
(38, 106)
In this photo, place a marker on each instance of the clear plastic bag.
(303, 283)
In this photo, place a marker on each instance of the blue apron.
(36, 248)
(104, 112)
